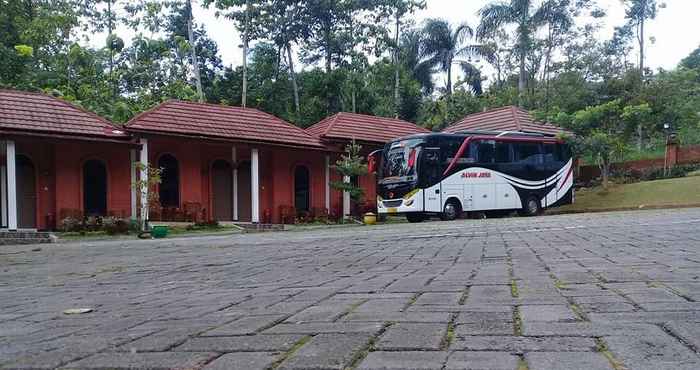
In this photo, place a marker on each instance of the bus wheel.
(451, 211)
(531, 207)
(415, 217)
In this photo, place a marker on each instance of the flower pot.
(370, 218)
(160, 231)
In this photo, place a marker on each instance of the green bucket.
(160, 231)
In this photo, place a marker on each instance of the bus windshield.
(399, 161)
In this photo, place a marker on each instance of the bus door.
(432, 186)
(553, 162)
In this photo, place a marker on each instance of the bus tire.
(451, 211)
(414, 217)
(531, 207)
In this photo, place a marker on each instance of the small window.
(551, 154)
(502, 152)
(527, 152)
(485, 151)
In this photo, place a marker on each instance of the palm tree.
(413, 59)
(442, 43)
(527, 19)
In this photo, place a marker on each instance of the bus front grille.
(392, 203)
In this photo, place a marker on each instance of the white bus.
(448, 174)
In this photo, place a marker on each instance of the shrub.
(115, 225)
(71, 224)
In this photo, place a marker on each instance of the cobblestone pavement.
(599, 291)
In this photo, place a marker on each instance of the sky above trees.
(671, 29)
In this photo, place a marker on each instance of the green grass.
(669, 192)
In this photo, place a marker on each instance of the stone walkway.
(599, 291)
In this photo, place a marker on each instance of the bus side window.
(502, 152)
(485, 151)
(551, 153)
(527, 153)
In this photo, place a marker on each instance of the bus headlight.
(409, 202)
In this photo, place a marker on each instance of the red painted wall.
(59, 176)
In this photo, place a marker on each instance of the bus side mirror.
(372, 159)
(432, 156)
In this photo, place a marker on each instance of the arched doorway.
(244, 192)
(222, 190)
(302, 198)
(169, 188)
(26, 193)
(94, 188)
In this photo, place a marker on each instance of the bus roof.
(490, 135)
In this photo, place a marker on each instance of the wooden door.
(222, 190)
(244, 192)
(26, 193)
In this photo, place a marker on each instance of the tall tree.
(637, 13)
(193, 51)
(526, 17)
(443, 43)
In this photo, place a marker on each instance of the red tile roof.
(35, 113)
(220, 121)
(363, 127)
(508, 118)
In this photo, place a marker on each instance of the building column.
(328, 183)
(3, 196)
(234, 161)
(144, 177)
(346, 199)
(11, 185)
(255, 185)
(134, 174)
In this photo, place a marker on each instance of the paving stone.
(406, 360)
(584, 329)
(607, 307)
(532, 313)
(320, 328)
(657, 351)
(246, 325)
(418, 317)
(245, 343)
(477, 317)
(243, 361)
(688, 331)
(485, 328)
(485, 360)
(567, 361)
(522, 344)
(150, 360)
(433, 299)
(327, 351)
(409, 336)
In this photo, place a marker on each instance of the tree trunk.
(397, 97)
(295, 87)
(521, 79)
(354, 100)
(449, 78)
(605, 169)
(244, 89)
(193, 53)
(640, 139)
(641, 39)
(327, 40)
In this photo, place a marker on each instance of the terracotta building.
(58, 161)
(371, 132)
(219, 162)
(508, 118)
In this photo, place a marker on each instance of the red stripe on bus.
(454, 160)
(568, 174)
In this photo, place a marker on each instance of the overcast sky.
(676, 28)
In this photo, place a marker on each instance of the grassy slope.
(671, 192)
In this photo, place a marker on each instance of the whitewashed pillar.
(134, 175)
(346, 199)
(3, 196)
(255, 185)
(234, 176)
(328, 183)
(11, 185)
(144, 177)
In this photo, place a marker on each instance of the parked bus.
(448, 174)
